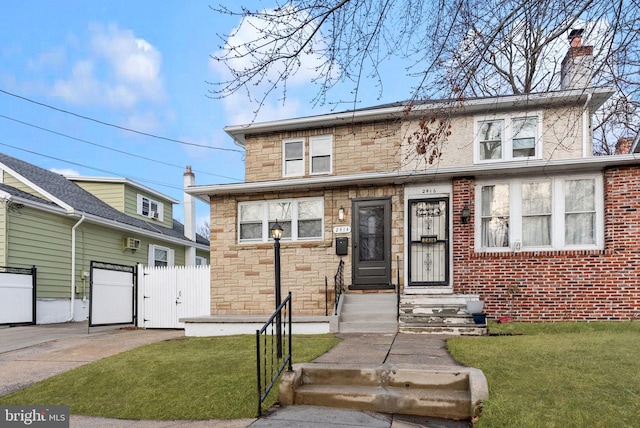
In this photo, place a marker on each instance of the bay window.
(300, 219)
(548, 213)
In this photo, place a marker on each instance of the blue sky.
(136, 64)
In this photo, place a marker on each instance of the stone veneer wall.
(242, 275)
(379, 140)
(559, 285)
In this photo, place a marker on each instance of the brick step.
(449, 329)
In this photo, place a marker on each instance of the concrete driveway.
(33, 353)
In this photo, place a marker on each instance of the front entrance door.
(429, 242)
(372, 244)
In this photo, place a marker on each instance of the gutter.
(422, 176)
(73, 266)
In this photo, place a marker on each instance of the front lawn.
(190, 378)
(557, 374)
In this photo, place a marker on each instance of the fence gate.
(166, 294)
(17, 295)
(112, 294)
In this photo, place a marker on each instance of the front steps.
(443, 314)
(450, 392)
(368, 313)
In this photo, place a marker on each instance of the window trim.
(284, 158)
(507, 136)
(152, 255)
(557, 214)
(159, 205)
(318, 138)
(266, 233)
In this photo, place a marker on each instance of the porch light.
(465, 214)
(341, 214)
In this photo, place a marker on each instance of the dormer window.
(508, 138)
(149, 208)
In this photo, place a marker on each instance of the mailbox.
(342, 246)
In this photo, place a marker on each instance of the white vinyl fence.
(17, 295)
(166, 294)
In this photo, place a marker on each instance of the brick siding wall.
(559, 285)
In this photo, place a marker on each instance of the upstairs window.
(320, 150)
(508, 138)
(293, 158)
(150, 208)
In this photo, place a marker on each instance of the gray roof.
(81, 200)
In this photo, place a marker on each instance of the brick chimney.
(577, 65)
(623, 146)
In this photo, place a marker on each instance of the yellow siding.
(111, 193)
(9, 180)
(44, 239)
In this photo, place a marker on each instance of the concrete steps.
(368, 313)
(445, 314)
(446, 393)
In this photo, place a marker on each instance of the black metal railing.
(271, 347)
(338, 286)
(397, 288)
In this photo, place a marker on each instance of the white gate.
(166, 294)
(17, 295)
(112, 294)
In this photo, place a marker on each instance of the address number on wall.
(342, 229)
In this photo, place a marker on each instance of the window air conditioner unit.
(154, 215)
(131, 244)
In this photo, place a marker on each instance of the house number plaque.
(342, 229)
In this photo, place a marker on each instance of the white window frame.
(152, 255)
(507, 136)
(314, 152)
(557, 214)
(285, 160)
(159, 208)
(266, 221)
(201, 261)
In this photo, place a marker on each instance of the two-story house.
(512, 208)
(60, 225)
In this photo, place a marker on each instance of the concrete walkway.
(33, 353)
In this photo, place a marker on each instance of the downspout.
(585, 128)
(73, 266)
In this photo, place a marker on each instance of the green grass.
(190, 378)
(557, 374)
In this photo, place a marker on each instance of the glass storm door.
(429, 242)
(372, 243)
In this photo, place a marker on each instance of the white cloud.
(121, 71)
(65, 171)
(239, 107)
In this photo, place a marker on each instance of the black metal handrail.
(338, 285)
(270, 361)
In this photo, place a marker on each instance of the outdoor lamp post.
(276, 233)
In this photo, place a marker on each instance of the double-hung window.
(160, 256)
(149, 208)
(320, 150)
(508, 138)
(550, 213)
(293, 157)
(300, 219)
